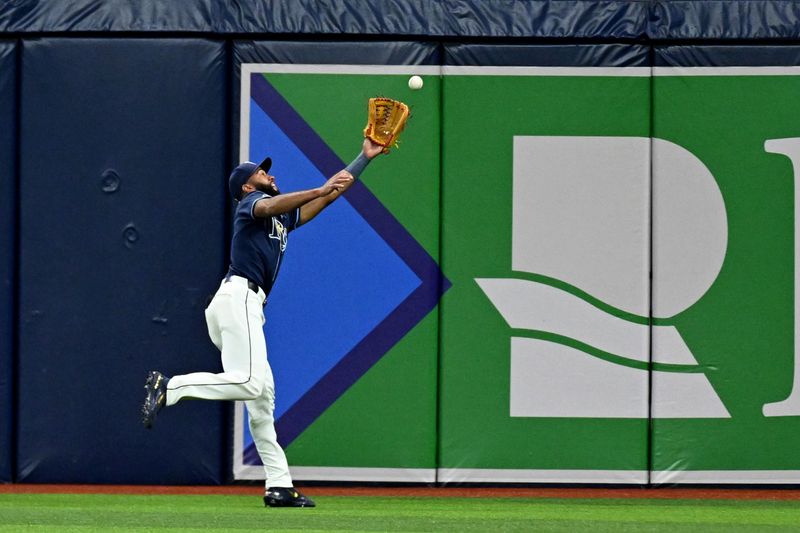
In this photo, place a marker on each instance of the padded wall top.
(559, 19)
(8, 82)
(388, 17)
(342, 52)
(548, 55)
(123, 202)
(724, 19)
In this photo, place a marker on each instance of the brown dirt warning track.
(436, 492)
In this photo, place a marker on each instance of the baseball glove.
(385, 121)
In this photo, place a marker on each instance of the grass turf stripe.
(67, 512)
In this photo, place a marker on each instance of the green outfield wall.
(618, 245)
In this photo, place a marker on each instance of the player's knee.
(259, 417)
(253, 388)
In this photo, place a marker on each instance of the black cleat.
(156, 387)
(286, 497)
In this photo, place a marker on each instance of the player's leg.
(261, 414)
(235, 318)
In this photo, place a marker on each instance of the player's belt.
(252, 285)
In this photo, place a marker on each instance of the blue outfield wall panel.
(123, 202)
(8, 189)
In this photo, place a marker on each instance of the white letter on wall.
(791, 405)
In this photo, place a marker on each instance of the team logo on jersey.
(279, 233)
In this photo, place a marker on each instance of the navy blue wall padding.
(551, 55)
(516, 18)
(726, 56)
(369, 17)
(338, 52)
(123, 180)
(558, 19)
(725, 19)
(551, 19)
(32, 16)
(8, 176)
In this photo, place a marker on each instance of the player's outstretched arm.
(369, 150)
(284, 203)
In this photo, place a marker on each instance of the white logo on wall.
(581, 220)
(791, 405)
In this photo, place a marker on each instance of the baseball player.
(262, 222)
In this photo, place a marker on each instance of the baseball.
(414, 83)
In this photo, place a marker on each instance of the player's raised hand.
(339, 181)
(371, 149)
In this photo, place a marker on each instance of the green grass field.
(86, 513)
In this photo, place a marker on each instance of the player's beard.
(269, 188)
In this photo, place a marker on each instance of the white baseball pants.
(235, 320)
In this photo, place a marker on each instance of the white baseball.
(414, 83)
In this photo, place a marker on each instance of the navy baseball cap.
(242, 173)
